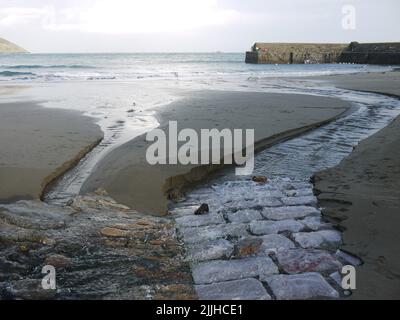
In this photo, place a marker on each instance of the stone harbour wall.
(300, 53)
(296, 53)
(371, 53)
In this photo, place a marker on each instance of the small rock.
(260, 179)
(202, 210)
(58, 261)
(301, 287)
(246, 289)
(299, 192)
(291, 193)
(248, 247)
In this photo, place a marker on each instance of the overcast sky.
(191, 25)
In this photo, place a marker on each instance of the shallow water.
(297, 159)
(292, 163)
(158, 66)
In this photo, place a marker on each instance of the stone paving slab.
(324, 239)
(311, 260)
(211, 250)
(200, 234)
(243, 216)
(315, 223)
(348, 258)
(199, 221)
(300, 287)
(184, 211)
(273, 227)
(292, 212)
(274, 243)
(220, 270)
(246, 289)
(299, 192)
(253, 203)
(300, 201)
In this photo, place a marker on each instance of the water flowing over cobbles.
(100, 250)
(270, 241)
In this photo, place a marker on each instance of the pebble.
(204, 209)
(260, 179)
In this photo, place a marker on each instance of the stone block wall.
(297, 53)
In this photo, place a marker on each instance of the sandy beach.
(361, 196)
(38, 145)
(129, 179)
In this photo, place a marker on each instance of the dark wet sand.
(130, 180)
(362, 195)
(39, 144)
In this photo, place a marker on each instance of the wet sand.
(362, 196)
(38, 145)
(385, 82)
(130, 180)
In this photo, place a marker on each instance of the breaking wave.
(15, 74)
(57, 66)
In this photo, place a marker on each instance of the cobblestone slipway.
(271, 243)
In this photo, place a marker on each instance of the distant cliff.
(8, 47)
